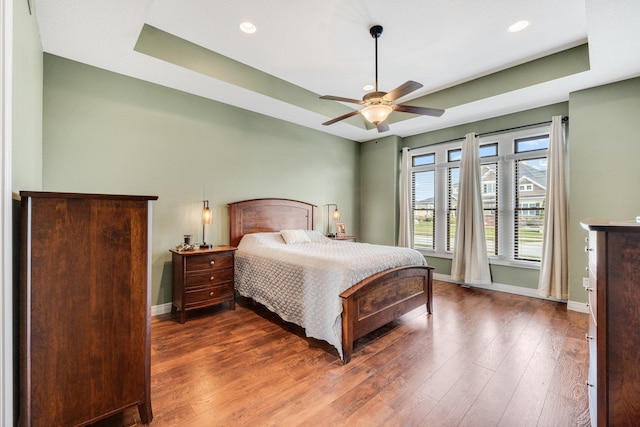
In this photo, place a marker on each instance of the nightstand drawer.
(209, 261)
(208, 278)
(211, 295)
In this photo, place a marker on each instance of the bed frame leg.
(346, 354)
(347, 330)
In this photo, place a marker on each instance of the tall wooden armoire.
(84, 307)
(614, 323)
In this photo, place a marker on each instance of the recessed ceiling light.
(247, 27)
(518, 26)
(367, 88)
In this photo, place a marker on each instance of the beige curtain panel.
(404, 232)
(554, 275)
(470, 261)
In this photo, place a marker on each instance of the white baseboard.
(157, 310)
(582, 307)
(527, 292)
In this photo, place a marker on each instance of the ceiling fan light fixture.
(376, 113)
(368, 87)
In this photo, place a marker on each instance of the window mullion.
(505, 205)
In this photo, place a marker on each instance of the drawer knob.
(212, 262)
(212, 277)
(211, 293)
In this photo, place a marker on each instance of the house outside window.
(513, 169)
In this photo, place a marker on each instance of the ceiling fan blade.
(402, 90)
(425, 111)
(383, 126)
(341, 99)
(342, 117)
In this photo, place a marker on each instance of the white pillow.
(317, 237)
(261, 239)
(294, 236)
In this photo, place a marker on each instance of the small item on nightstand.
(185, 247)
(187, 239)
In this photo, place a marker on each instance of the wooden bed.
(369, 304)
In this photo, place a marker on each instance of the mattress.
(302, 282)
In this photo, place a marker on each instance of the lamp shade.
(377, 113)
(206, 214)
(336, 215)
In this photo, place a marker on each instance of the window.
(530, 185)
(427, 159)
(513, 173)
(423, 201)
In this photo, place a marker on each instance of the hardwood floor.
(483, 358)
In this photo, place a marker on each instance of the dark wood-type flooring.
(482, 358)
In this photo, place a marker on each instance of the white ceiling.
(324, 46)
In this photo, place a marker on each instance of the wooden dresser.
(614, 327)
(202, 278)
(84, 307)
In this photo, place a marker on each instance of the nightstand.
(345, 238)
(202, 278)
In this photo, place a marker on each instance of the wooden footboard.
(382, 298)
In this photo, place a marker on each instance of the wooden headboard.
(264, 215)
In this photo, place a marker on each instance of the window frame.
(505, 187)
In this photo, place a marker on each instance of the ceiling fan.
(378, 105)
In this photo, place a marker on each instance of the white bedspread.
(302, 282)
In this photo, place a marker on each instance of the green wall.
(26, 156)
(603, 153)
(379, 183)
(522, 118)
(107, 133)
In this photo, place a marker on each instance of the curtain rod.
(565, 119)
